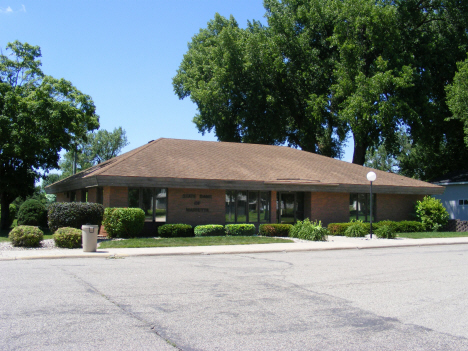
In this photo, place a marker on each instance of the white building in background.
(455, 197)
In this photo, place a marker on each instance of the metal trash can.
(89, 235)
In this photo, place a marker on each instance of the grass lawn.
(425, 235)
(197, 241)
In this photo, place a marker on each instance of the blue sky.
(124, 55)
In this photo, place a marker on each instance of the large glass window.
(264, 207)
(153, 201)
(160, 205)
(230, 206)
(242, 206)
(247, 206)
(133, 197)
(290, 207)
(359, 207)
(100, 195)
(253, 206)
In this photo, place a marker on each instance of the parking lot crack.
(92, 288)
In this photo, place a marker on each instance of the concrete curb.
(223, 250)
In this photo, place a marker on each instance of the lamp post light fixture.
(371, 176)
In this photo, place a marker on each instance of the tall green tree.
(98, 147)
(39, 115)
(247, 90)
(434, 37)
(457, 95)
(325, 67)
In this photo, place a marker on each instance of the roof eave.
(98, 180)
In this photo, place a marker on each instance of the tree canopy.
(98, 147)
(39, 115)
(322, 68)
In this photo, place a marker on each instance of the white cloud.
(7, 10)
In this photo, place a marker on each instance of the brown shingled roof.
(208, 160)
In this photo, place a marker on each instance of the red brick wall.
(274, 212)
(177, 206)
(327, 207)
(115, 196)
(396, 207)
(308, 205)
(78, 195)
(62, 197)
(92, 195)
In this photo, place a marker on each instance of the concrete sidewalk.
(333, 243)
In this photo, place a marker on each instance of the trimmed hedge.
(240, 229)
(398, 227)
(175, 231)
(26, 236)
(209, 230)
(275, 229)
(409, 227)
(308, 230)
(32, 212)
(123, 222)
(74, 214)
(68, 238)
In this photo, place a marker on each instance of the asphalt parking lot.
(411, 298)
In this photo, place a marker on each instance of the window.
(153, 201)
(247, 206)
(84, 195)
(100, 195)
(290, 207)
(230, 206)
(359, 207)
(463, 202)
(72, 196)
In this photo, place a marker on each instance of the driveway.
(411, 298)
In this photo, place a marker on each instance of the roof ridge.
(127, 155)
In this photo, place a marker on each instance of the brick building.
(201, 182)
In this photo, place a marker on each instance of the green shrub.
(240, 229)
(123, 222)
(32, 212)
(308, 230)
(338, 228)
(275, 229)
(69, 238)
(209, 230)
(26, 236)
(431, 213)
(409, 227)
(357, 229)
(175, 231)
(74, 214)
(386, 232)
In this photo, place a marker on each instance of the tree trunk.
(5, 211)
(359, 156)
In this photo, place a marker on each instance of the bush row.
(74, 214)
(398, 227)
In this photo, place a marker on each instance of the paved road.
(380, 299)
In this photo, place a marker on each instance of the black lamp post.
(371, 176)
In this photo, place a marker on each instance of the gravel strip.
(47, 244)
